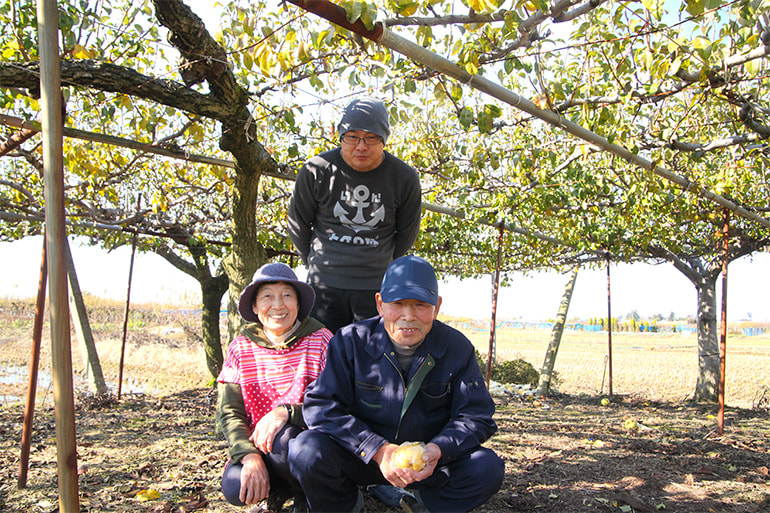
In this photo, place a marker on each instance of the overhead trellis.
(381, 35)
(30, 127)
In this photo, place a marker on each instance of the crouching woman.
(276, 355)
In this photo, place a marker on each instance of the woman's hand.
(267, 428)
(255, 481)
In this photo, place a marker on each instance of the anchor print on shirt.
(359, 200)
(360, 203)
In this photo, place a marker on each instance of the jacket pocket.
(435, 395)
(369, 395)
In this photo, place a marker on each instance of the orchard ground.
(647, 449)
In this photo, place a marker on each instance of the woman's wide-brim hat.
(273, 273)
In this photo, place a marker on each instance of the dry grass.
(161, 359)
(655, 366)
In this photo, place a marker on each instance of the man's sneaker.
(388, 494)
(410, 504)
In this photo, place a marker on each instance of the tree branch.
(104, 76)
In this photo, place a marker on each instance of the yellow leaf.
(302, 52)
(478, 5)
(541, 101)
(80, 52)
(148, 495)
(407, 7)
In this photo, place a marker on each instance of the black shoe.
(277, 499)
(411, 505)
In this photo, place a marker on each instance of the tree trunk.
(246, 253)
(212, 337)
(546, 373)
(212, 290)
(703, 275)
(707, 386)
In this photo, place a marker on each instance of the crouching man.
(401, 377)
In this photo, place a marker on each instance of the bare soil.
(570, 453)
(564, 455)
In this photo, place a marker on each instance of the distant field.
(162, 357)
(657, 366)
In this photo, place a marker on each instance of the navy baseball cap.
(410, 277)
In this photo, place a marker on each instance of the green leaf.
(353, 10)
(493, 110)
(485, 122)
(466, 118)
(369, 16)
(655, 7)
(694, 7)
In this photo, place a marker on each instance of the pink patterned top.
(269, 377)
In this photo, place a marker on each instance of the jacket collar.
(254, 332)
(434, 343)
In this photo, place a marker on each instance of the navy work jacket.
(358, 397)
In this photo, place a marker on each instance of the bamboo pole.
(92, 367)
(495, 290)
(34, 364)
(609, 328)
(53, 162)
(723, 334)
(379, 34)
(128, 305)
(549, 361)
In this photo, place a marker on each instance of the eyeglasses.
(369, 140)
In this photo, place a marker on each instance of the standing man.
(401, 377)
(354, 209)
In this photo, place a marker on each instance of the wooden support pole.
(723, 335)
(92, 368)
(53, 162)
(34, 365)
(546, 372)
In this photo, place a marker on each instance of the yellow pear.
(409, 455)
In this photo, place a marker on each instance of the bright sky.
(645, 288)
